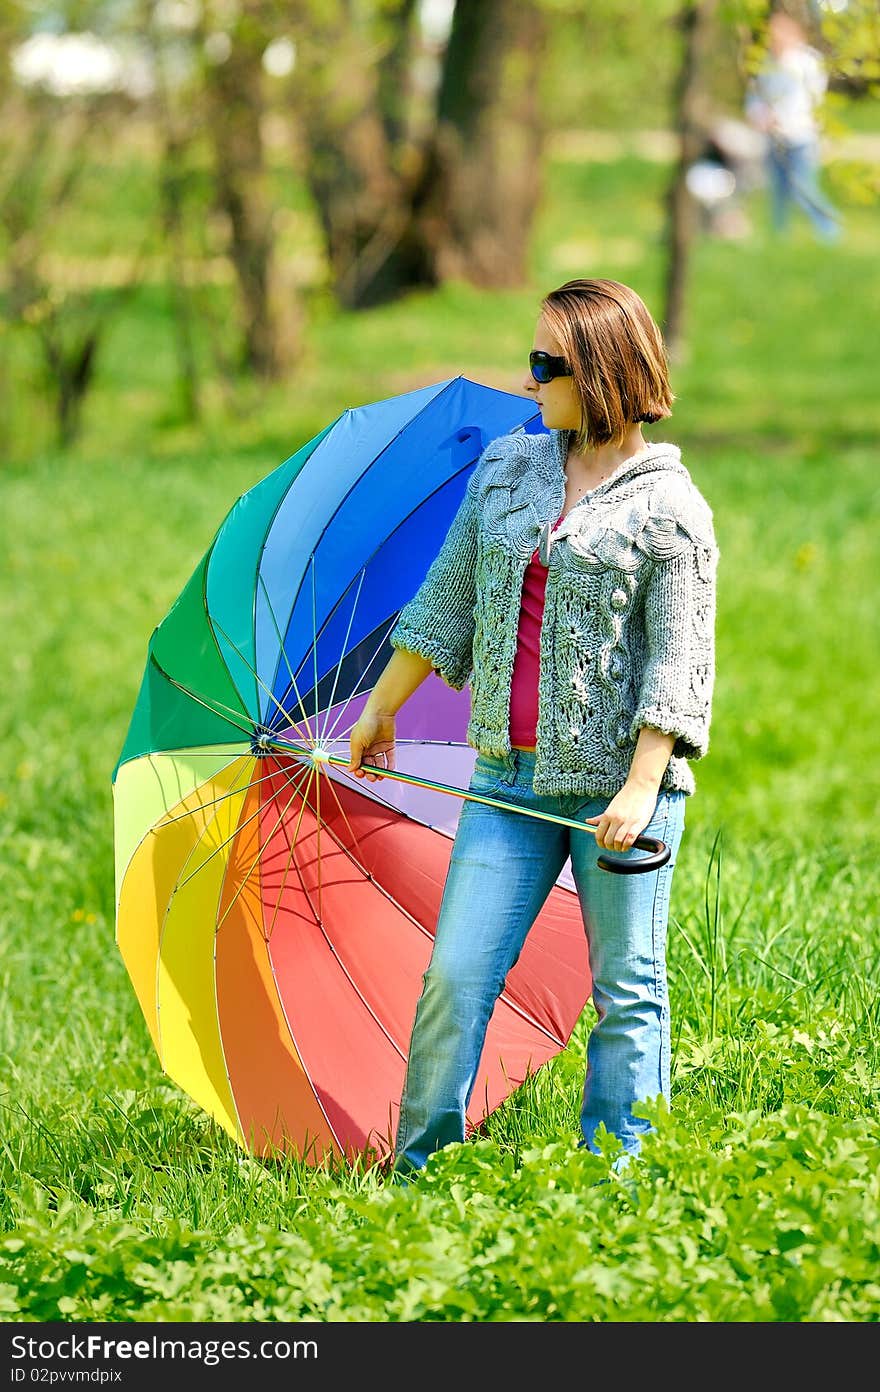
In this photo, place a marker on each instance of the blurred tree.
(483, 171)
(46, 143)
(850, 38)
(234, 40)
(608, 65)
(176, 129)
(413, 187)
(848, 35)
(691, 109)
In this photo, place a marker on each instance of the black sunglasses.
(544, 367)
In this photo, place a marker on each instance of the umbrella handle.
(660, 854)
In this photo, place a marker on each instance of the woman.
(575, 591)
(782, 101)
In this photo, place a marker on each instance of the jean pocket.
(580, 809)
(489, 775)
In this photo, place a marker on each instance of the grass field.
(759, 1198)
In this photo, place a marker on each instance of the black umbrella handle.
(660, 853)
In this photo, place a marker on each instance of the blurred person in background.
(782, 101)
(729, 166)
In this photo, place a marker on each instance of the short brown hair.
(616, 353)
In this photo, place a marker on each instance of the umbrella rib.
(246, 730)
(211, 620)
(323, 628)
(256, 674)
(318, 785)
(383, 802)
(323, 733)
(290, 861)
(291, 723)
(218, 708)
(314, 461)
(393, 620)
(316, 442)
(508, 999)
(354, 484)
(374, 461)
(212, 802)
(239, 828)
(210, 751)
(356, 692)
(381, 888)
(320, 922)
(299, 1052)
(315, 633)
(165, 819)
(161, 938)
(318, 853)
(179, 885)
(297, 790)
(345, 818)
(217, 1002)
(309, 771)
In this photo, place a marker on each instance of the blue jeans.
(793, 175)
(503, 867)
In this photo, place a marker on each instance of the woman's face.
(558, 400)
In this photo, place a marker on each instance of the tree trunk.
(235, 114)
(690, 114)
(171, 177)
(394, 72)
(396, 215)
(360, 181)
(70, 370)
(484, 180)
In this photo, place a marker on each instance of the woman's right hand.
(372, 739)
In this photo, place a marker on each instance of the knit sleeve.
(676, 690)
(438, 622)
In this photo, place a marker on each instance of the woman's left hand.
(625, 817)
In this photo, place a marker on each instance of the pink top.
(524, 686)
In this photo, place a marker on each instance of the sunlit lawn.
(773, 938)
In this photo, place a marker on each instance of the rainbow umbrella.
(275, 915)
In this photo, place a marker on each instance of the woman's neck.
(586, 469)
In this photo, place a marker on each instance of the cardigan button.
(619, 599)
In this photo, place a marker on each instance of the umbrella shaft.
(398, 777)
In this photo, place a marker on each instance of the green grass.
(758, 1199)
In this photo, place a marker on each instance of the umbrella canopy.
(276, 915)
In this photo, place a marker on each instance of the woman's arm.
(630, 810)
(402, 674)
(674, 702)
(434, 632)
(649, 762)
(675, 695)
(374, 732)
(438, 622)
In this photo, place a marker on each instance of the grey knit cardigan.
(627, 637)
